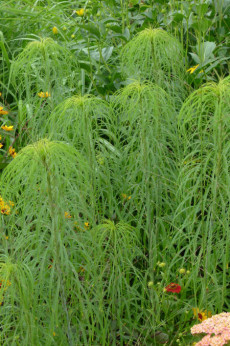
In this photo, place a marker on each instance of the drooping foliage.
(44, 66)
(43, 179)
(82, 121)
(204, 127)
(42, 74)
(155, 55)
(148, 147)
(87, 122)
(51, 223)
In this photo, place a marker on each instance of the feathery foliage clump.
(87, 122)
(42, 74)
(157, 56)
(66, 286)
(44, 66)
(146, 168)
(81, 120)
(44, 178)
(204, 177)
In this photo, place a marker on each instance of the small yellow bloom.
(67, 215)
(73, 36)
(2, 112)
(188, 272)
(182, 271)
(44, 94)
(80, 12)
(55, 30)
(12, 152)
(192, 69)
(0, 94)
(7, 128)
(6, 237)
(125, 196)
(161, 264)
(201, 315)
(150, 284)
(1, 145)
(86, 225)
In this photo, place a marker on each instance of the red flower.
(175, 288)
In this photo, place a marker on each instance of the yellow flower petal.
(80, 12)
(192, 69)
(7, 128)
(55, 30)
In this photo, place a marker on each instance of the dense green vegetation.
(115, 170)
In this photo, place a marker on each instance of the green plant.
(146, 167)
(44, 66)
(155, 55)
(204, 174)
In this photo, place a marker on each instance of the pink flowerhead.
(218, 329)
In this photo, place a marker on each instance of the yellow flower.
(44, 94)
(67, 215)
(182, 271)
(5, 209)
(192, 69)
(12, 152)
(2, 112)
(0, 94)
(1, 145)
(86, 225)
(6, 237)
(80, 12)
(161, 264)
(201, 315)
(73, 36)
(125, 196)
(55, 30)
(7, 128)
(188, 272)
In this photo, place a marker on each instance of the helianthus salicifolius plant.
(82, 121)
(146, 131)
(44, 174)
(87, 122)
(157, 56)
(42, 74)
(44, 180)
(44, 65)
(203, 194)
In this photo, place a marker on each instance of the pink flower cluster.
(217, 329)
